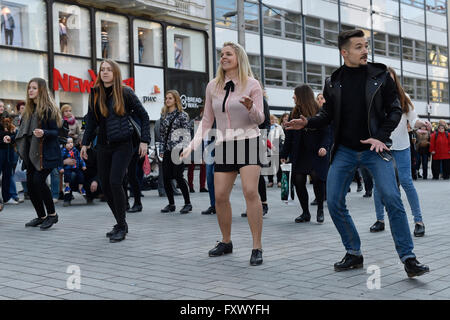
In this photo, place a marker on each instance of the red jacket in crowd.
(441, 145)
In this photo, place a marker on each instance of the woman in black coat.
(111, 105)
(307, 150)
(37, 144)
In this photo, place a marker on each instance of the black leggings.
(112, 164)
(174, 171)
(262, 189)
(39, 192)
(302, 192)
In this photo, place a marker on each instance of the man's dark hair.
(344, 37)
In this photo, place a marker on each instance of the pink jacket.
(242, 122)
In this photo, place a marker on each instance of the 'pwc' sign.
(74, 84)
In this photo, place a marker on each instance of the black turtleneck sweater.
(354, 119)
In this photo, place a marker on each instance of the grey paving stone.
(298, 258)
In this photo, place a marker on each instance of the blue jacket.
(76, 155)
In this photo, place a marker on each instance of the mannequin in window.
(7, 23)
(105, 42)
(63, 34)
(178, 53)
(141, 45)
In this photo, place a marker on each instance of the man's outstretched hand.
(377, 145)
(296, 124)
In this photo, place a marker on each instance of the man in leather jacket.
(362, 102)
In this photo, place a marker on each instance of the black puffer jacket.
(382, 103)
(116, 128)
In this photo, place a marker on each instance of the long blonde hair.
(100, 94)
(244, 69)
(45, 105)
(178, 103)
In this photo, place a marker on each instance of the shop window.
(393, 46)
(71, 30)
(112, 37)
(13, 85)
(186, 49)
(443, 56)
(71, 83)
(421, 89)
(148, 43)
(419, 51)
(23, 24)
(331, 32)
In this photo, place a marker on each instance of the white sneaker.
(19, 200)
(55, 200)
(12, 201)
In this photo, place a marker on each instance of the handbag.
(136, 131)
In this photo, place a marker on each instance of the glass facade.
(405, 35)
(82, 36)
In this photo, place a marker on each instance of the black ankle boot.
(320, 216)
(135, 208)
(305, 217)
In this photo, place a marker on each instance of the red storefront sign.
(74, 84)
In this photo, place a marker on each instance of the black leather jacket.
(383, 106)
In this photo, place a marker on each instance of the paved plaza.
(165, 256)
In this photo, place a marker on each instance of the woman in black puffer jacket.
(111, 105)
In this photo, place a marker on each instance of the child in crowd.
(70, 152)
(74, 127)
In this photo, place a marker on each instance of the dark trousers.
(133, 178)
(9, 36)
(112, 164)
(87, 187)
(39, 192)
(422, 158)
(367, 178)
(174, 171)
(6, 171)
(302, 192)
(191, 168)
(74, 176)
(436, 168)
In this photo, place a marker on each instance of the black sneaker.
(419, 230)
(114, 230)
(168, 208)
(221, 249)
(210, 210)
(265, 208)
(244, 215)
(368, 194)
(303, 218)
(377, 226)
(256, 257)
(414, 268)
(204, 190)
(135, 208)
(350, 261)
(35, 222)
(314, 203)
(49, 221)
(118, 236)
(320, 216)
(360, 188)
(186, 208)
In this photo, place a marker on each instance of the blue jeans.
(403, 161)
(210, 183)
(54, 179)
(340, 176)
(13, 157)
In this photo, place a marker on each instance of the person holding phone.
(362, 102)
